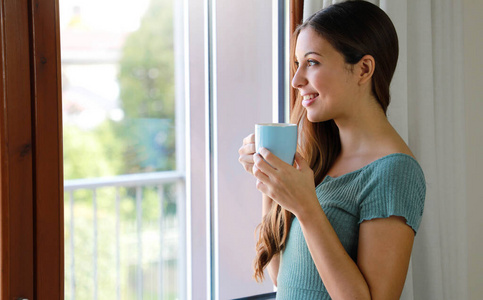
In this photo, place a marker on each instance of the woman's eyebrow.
(309, 53)
(312, 52)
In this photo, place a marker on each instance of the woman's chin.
(314, 119)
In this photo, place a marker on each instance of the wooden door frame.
(296, 18)
(31, 160)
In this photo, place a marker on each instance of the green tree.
(146, 81)
(91, 153)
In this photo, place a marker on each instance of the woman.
(340, 223)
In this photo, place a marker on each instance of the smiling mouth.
(307, 100)
(309, 97)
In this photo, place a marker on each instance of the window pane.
(123, 188)
(118, 87)
(244, 98)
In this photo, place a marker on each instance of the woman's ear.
(366, 68)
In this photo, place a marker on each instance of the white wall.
(473, 72)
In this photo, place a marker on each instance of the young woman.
(340, 223)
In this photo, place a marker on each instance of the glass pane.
(122, 188)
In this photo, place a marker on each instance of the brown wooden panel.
(47, 104)
(296, 18)
(16, 146)
(4, 190)
(296, 14)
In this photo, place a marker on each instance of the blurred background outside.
(122, 182)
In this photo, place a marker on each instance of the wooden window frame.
(31, 160)
(296, 18)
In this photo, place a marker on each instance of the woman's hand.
(246, 152)
(292, 187)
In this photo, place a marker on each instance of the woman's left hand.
(292, 187)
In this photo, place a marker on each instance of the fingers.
(301, 162)
(259, 174)
(246, 152)
(249, 139)
(262, 178)
(246, 165)
(272, 159)
(262, 164)
(262, 187)
(247, 149)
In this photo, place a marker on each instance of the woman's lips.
(307, 100)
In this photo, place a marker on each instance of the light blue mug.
(278, 138)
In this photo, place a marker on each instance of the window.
(124, 151)
(136, 222)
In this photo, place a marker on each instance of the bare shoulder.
(396, 145)
(392, 149)
(389, 143)
(379, 147)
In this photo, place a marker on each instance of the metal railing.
(138, 182)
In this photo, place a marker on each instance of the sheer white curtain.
(427, 110)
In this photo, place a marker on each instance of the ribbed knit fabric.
(393, 185)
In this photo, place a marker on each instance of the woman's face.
(325, 82)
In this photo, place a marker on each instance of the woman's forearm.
(266, 205)
(340, 274)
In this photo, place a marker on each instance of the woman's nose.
(298, 79)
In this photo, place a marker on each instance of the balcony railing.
(169, 235)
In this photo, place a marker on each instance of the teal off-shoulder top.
(393, 185)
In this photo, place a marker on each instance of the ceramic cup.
(278, 138)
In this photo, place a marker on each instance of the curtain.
(427, 110)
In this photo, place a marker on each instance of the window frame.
(31, 152)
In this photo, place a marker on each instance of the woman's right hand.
(246, 152)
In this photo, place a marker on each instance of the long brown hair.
(355, 29)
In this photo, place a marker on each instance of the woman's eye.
(307, 63)
(311, 62)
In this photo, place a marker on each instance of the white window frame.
(219, 265)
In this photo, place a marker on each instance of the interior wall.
(473, 66)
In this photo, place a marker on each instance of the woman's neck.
(365, 139)
(364, 128)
